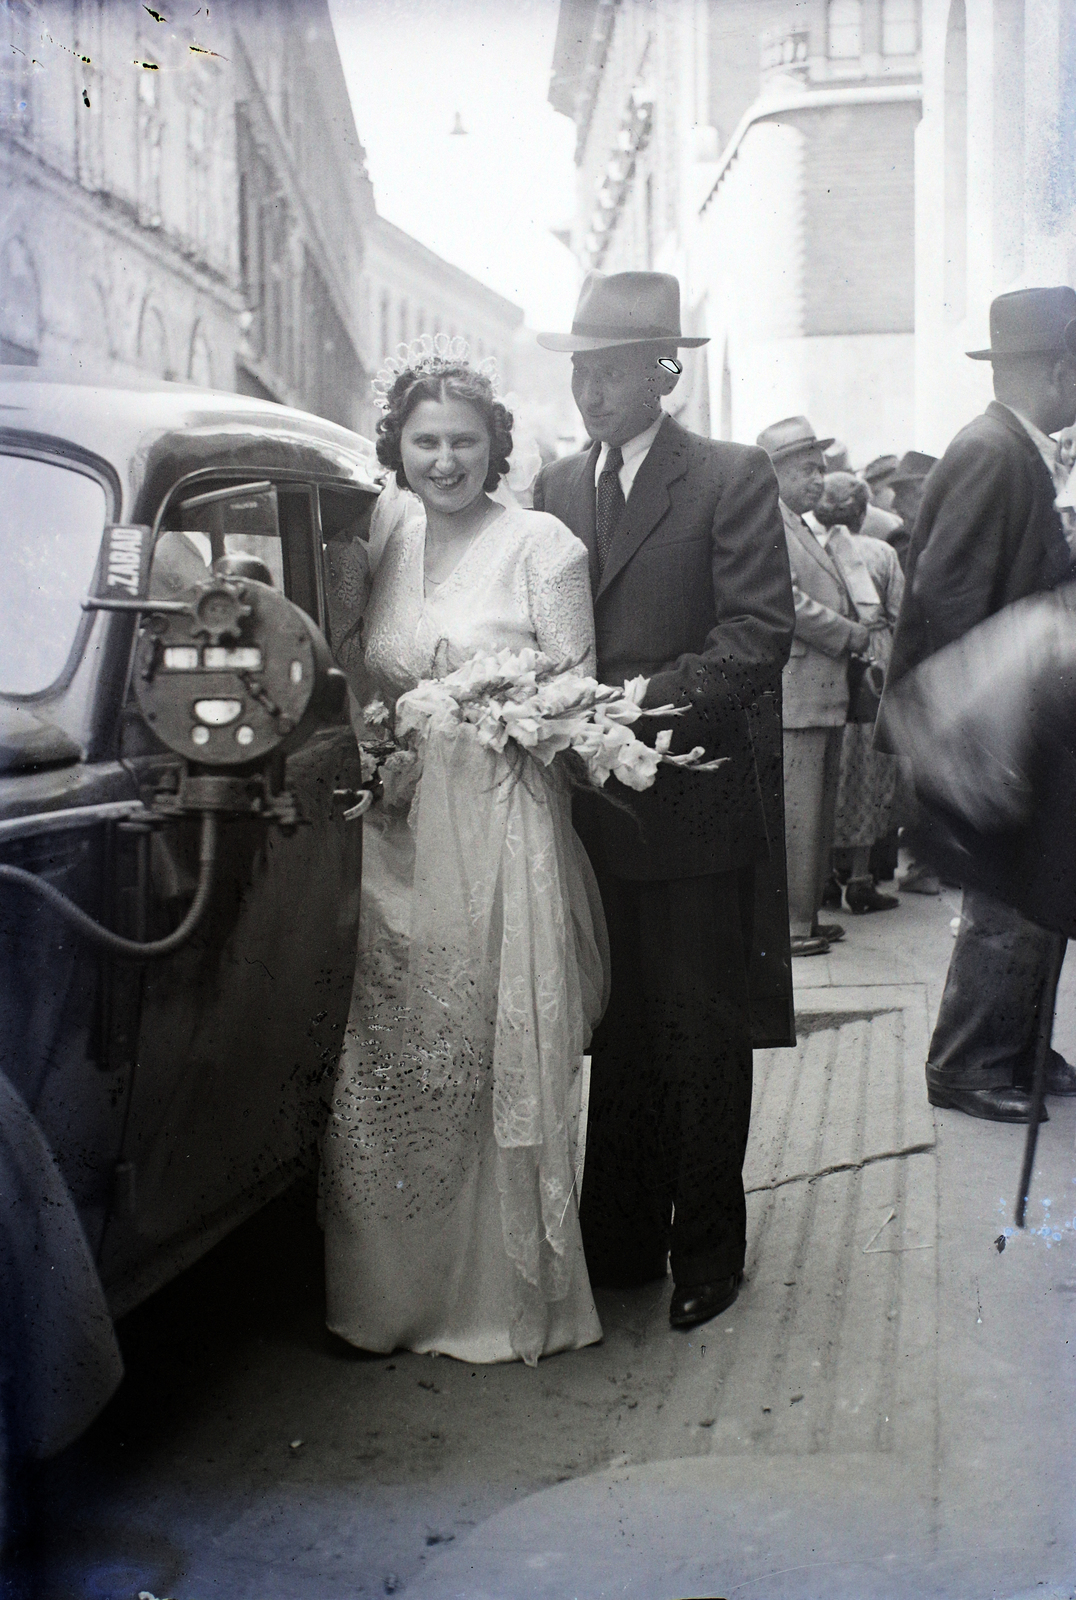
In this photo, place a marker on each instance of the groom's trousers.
(670, 1088)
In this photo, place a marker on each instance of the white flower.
(635, 690)
(637, 765)
(376, 714)
(663, 741)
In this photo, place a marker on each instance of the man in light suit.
(691, 590)
(815, 683)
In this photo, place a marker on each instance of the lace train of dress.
(449, 1181)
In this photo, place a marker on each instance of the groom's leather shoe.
(995, 1105)
(702, 1301)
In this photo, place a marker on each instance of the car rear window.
(52, 519)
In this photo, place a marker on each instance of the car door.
(238, 1030)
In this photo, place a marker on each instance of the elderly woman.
(868, 779)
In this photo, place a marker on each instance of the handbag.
(866, 680)
(866, 674)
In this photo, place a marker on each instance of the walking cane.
(1038, 1082)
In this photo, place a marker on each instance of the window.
(52, 520)
(844, 30)
(198, 143)
(200, 363)
(403, 322)
(18, 35)
(384, 341)
(153, 342)
(900, 27)
(20, 306)
(150, 135)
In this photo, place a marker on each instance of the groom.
(691, 586)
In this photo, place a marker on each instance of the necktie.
(610, 503)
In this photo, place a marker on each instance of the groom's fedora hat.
(624, 308)
(1031, 322)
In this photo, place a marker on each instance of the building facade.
(763, 150)
(995, 185)
(186, 199)
(408, 290)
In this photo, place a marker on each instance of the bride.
(449, 1172)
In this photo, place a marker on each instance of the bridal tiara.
(426, 357)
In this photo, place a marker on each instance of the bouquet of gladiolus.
(542, 708)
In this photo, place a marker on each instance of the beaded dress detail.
(450, 1172)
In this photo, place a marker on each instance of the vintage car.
(178, 1091)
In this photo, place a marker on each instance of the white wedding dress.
(449, 1163)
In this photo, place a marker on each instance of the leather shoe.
(995, 1105)
(1060, 1076)
(860, 895)
(831, 894)
(808, 944)
(689, 1307)
(832, 932)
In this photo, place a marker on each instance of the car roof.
(152, 432)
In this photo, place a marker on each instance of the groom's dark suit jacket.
(696, 596)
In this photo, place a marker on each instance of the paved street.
(886, 1411)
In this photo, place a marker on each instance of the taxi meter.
(234, 674)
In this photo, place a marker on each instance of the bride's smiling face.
(445, 450)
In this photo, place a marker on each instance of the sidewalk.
(887, 1410)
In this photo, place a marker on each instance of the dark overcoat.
(696, 596)
(987, 533)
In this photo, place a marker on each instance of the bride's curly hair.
(444, 380)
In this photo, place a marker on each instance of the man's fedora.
(880, 470)
(789, 437)
(1031, 322)
(913, 468)
(624, 308)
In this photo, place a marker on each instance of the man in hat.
(691, 590)
(815, 692)
(987, 534)
(906, 485)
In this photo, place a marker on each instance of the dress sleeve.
(558, 592)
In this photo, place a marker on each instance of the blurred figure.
(988, 534)
(906, 485)
(881, 520)
(868, 777)
(877, 475)
(815, 682)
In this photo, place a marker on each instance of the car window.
(52, 520)
(345, 531)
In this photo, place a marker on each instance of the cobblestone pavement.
(886, 1410)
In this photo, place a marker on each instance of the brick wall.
(859, 227)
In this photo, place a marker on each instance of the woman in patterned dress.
(449, 1178)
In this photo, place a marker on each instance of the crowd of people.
(759, 604)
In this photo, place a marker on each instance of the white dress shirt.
(634, 453)
(1046, 447)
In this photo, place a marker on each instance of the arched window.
(200, 361)
(404, 329)
(20, 306)
(844, 30)
(900, 27)
(956, 163)
(153, 342)
(384, 324)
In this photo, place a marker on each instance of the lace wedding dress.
(449, 1164)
